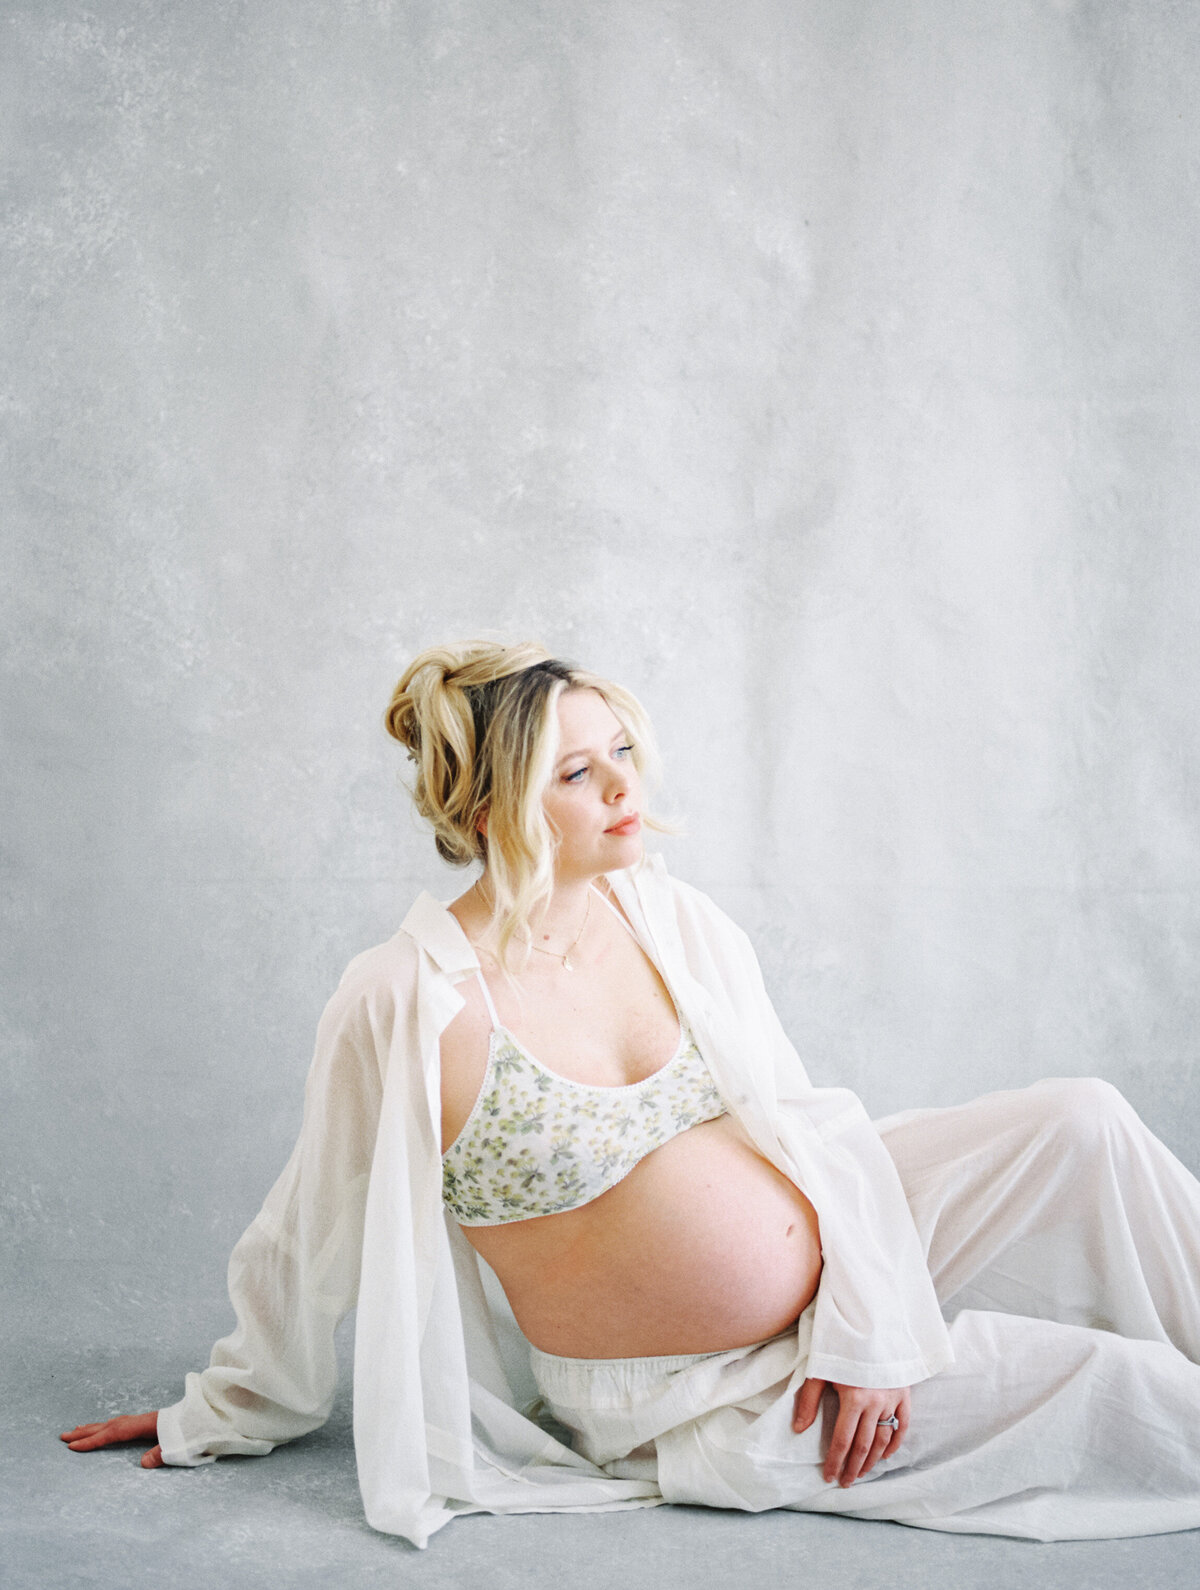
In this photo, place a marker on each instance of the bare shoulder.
(465, 1044)
(466, 1039)
(470, 1027)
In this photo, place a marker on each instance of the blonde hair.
(479, 720)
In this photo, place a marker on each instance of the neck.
(562, 916)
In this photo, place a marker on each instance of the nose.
(618, 781)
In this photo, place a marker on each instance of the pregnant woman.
(731, 1288)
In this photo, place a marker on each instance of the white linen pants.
(1065, 1240)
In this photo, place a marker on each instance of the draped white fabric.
(1071, 1415)
(435, 1427)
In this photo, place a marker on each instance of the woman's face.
(595, 793)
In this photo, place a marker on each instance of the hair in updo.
(479, 720)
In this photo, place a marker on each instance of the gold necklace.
(565, 956)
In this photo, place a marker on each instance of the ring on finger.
(890, 1423)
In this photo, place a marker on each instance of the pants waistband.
(662, 1363)
(578, 1383)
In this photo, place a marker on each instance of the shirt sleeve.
(295, 1271)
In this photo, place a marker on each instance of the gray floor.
(295, 1519)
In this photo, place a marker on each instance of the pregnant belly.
(703, 1246)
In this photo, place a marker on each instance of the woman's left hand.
(859, 1440)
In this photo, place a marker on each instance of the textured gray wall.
(826, 371)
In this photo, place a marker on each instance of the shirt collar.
(438, 933)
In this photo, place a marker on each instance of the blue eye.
(580, 773)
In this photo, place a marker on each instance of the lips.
(629, 825)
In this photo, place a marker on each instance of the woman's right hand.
(111, 1432)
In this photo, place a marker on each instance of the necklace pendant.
(568, 965)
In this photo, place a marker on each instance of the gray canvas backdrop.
(825, 371)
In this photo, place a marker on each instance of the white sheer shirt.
(356, 1218)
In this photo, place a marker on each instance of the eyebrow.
(569, 756)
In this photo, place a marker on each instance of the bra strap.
(488, 1000)
(619, 915)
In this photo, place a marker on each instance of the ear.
(481, 825)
